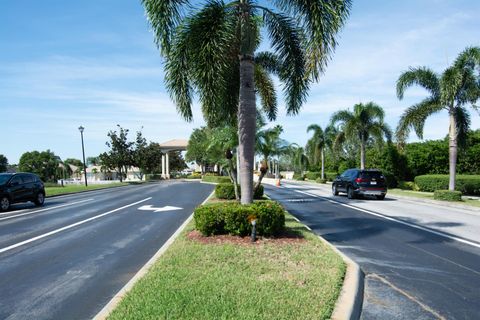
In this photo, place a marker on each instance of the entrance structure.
(166, 147)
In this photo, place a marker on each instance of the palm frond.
(421, 76)
(269, 61)
(450, 85)
(266, 91)
(462, 119)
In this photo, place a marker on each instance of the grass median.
(224, 277)
(53, 191)
(429, 195)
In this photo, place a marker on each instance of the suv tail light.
(360, 180)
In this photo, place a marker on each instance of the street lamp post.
(83, 152)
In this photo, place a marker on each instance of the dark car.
(356, 182)
(20, 187)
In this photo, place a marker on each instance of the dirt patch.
(284, 238)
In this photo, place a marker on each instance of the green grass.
(52, 191)
(269, 280)
(429, 195)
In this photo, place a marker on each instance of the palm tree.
(362, 125)
(268, 144)
(212, 51)
(317, 144)
(298, 157)
(456, 87)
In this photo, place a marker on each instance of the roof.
(175, 144)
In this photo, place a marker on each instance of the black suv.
(20, 187)
(355, 182)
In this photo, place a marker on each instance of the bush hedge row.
(234, 218)
(447, 195)
(226, 191)
(314, 175)
(216, 179)
(466, 184)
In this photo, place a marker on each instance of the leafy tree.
(197, 147)
(212, 50)
(317, 144)
(45, 164)
(93, 161)
(149, 160)
(3, 163)
(120, 156)
(428, 157)
(298, 158)
(469, 157)
(364, 125)
(268, 144)
(393, 164)
(176, 161)
(75, 162)
(457, 87)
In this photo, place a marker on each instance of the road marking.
(438, 233)
(46, 209)
(165, 208)
(16, 245)
(307, 227)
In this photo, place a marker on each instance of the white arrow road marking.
(166, 208)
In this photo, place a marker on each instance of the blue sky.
(94, 63)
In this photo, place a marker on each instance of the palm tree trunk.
(246, 127)
(453, 150)
(362, 154)
(323, 164)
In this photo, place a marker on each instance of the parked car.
(20, 187)
(356, 182)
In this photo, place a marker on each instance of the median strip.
(19, 244)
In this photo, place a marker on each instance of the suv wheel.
(350, 193)
(4, 203)
(40, 199)
(334, 190)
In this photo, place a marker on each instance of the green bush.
(51, 184)
(195, 175)
(216, 179)
(153, 177)
(330, 176)
(225, 191)
(320, 180)
(298, 176)
(390, 179)
(447, 195)
(466, 184)
(313, 175)
(233, 218)
(258, 193)
(407, 185)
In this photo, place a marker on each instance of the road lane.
(410, 273)
(73, 274)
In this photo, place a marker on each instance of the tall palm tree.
(365, 123)
(268, 144)
(211, 50)
(454, 89)
(316, 145)
(298, 157)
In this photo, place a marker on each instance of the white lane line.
(46, 209)
(438, 233)
(16, 245)
(307, 227)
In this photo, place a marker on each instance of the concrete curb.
(113, 303)
(437, 202)
(349, 303)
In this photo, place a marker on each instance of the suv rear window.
(371, 174)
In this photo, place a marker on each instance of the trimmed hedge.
(320, 180)
(194, 175)
(466, 184)
(313, 175)
(227, 192)
(447, 195)
(407, 185)
(233, 218)
(217, 179)
(299, 177)
(330, 176)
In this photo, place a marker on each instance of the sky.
(94, 63)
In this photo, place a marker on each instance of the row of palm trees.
(452, 91)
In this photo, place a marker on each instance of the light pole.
(83, 152)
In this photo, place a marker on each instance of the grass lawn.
(429, 195)
(271, 279)
(51, 191)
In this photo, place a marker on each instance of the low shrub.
(225, 191)
(195, 175)
(298, 176)
(407, 185)
(392, 181)
(216, 179)
(313, 175)
(258, 192)
(466, 184)
(233, 218)
(330, 176)
(51, 184)
(447, 195)
(211, 174)
(320, 180)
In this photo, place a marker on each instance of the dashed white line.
(46, 209)
(16, 245)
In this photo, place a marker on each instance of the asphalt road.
(68, 258)
(414, 268)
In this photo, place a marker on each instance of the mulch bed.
(285, 238)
